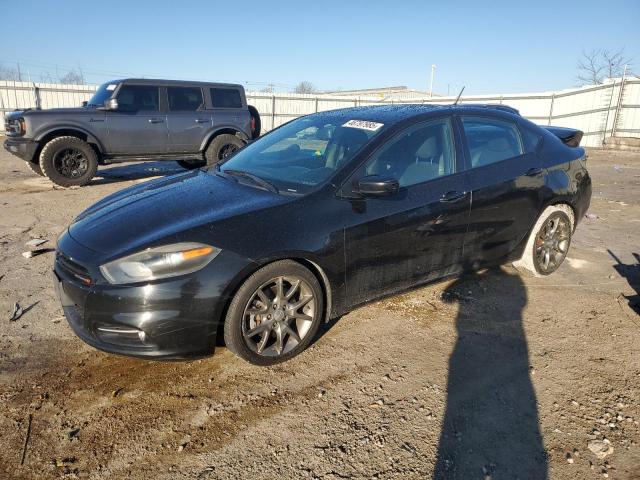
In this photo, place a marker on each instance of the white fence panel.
(599, 111)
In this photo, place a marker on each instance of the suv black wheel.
(221, 147)
(191, 164)
(68, 161)
(275, 314)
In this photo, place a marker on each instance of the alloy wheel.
(278, 316)
(70, 163)
(552, 243)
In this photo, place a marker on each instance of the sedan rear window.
(225, 98)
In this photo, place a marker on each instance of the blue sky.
(489, 46)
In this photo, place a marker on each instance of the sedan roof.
(392, 114)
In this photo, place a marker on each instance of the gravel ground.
(493, 376)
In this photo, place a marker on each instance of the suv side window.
(184, 99)
(225, 98)
(420, 153)
(491, 140)
(138, 98)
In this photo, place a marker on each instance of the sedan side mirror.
(375, 186)
(110, 104)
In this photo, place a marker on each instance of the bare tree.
(72, 77)
(305, 87)
(595, 66)
(8, 73)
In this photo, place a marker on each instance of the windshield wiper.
(254, 178)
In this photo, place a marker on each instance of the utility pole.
(433, 71)
(19, 75)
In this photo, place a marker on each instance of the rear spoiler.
(569, 136)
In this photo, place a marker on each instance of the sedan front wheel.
(275, 314)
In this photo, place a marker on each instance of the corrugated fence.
(601, 111)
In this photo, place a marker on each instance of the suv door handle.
(453, 196)
(156, 120)
(202, 120)
(533, 172)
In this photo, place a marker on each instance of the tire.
(256, 124)
(192, 164)
(35, 168)
(68, 161)
(530, 262)
(248, 313)
(221, 147)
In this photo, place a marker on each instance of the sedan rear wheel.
(275, 314)
(548, 242)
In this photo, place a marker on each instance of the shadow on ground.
(490, 428)
(631, 272)
(135, 171)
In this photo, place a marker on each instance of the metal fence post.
(553, 99)
(36, 95)
(615, 115)
(273, 112)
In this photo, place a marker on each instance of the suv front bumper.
(21, 147)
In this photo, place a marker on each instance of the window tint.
(184, 99)
(138, 97)
(225, 98)
(491, 140)
(420, 153)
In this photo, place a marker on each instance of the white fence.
(602, 111)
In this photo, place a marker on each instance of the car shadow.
(490, 427)
(631, 272)
(135, 171)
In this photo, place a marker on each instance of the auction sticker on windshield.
(364, 125)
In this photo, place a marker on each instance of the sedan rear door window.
(491, 140)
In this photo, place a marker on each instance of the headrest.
(428, 149)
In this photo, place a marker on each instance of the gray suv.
(194, 123)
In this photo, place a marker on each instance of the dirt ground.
(493, 376)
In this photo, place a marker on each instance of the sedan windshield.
(302, 154)
(103, 93)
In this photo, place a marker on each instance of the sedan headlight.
(159, 262)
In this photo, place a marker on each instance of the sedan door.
(416, 234)
(506, 181)
(187, 119)
(138, 127)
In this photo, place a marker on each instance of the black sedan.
(321, 215)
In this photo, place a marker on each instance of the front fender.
(68, 127)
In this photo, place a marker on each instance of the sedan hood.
(136, 217)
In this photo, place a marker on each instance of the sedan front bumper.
(176, 318)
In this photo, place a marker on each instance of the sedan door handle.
(533, 172)
(453, 196)
(156, 120)
(202, 120)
